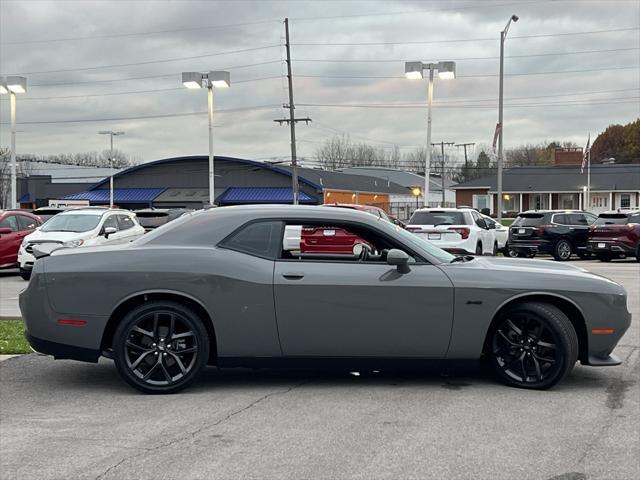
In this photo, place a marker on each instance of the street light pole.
(427, 156)
(13, 85)
(503, 36)
(414, 71)
(211, 80)
(111, 134)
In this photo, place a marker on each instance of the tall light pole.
(415, 71)
(12, 85)
(111, 134)
(503, 36)
(210, 80)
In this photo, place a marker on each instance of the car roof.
(92, 211)
(16, 210)
(622, 212)
(445, 209)
(355, 206)
(553, 211)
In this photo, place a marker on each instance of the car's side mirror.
(491, 226)
(109, 231)
(5, 231)
(400, 259)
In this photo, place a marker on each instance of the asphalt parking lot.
(69, 420)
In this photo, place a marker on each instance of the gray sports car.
(274, 286)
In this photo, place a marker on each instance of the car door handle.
(293, 275)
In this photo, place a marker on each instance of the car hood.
(528, 274)
(61, 237)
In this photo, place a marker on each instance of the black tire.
(147, 358)
(529, 254)
(510, 252)
(495, 250)
(533, 345)
(584, 255)
(638, 253)
(562, 250)
(604, 257)
(479, 249)
(25, 274)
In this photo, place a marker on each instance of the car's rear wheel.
(479, 249)
(562, 251)
(495, 249)
(604, 257)
(638, 253)
(25, 274)
(533, 345)
(510, 252)
(160, 347)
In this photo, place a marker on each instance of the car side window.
(261, 239)
(111, 221)
(320, 241)
(560, 219)
(27, 223)
(590, 218)
(125, 222)
(9, 221)
(577, 219)
(634, 218)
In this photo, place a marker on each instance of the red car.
(328, 240)
(14, 226)
(615, 234)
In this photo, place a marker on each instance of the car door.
(484, 234)
(111, 220)
(10, 242)
(579, 229)
(337, 306)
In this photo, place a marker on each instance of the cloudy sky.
(572, 67)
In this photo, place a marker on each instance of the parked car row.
(20, 230)
(563, 233)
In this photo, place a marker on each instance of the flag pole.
(588, 180)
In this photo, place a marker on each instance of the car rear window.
(152, 219)
(437, 218)
(612, 219)
(529, 220)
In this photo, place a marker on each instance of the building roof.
(120, 195)
(406, 179)
(337, 180)
(239, 195)
(62, 173)
(561, 178)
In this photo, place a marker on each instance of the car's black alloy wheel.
(562, 251)
(160, 347)
(533, 345)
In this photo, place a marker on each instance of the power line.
(150, 62)
(169, 75)
(396, 77)
(137, 34)
(547, 54)
(462, 40)
(144, 117)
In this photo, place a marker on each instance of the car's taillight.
(463, 231)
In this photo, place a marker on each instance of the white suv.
(80, 227)
(456, 230)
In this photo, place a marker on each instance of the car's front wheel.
(533, 345)
(25, 274)
(160, 347)
(638, 253)
(562, 251)
(604, 257)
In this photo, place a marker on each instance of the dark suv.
(615, 234)
(558, 232)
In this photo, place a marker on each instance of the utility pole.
(111, 134)
(465, 145)
(442, 144)
(291, 121)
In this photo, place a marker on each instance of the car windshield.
(612, 219)
(415, 240)
(437, 218)
(71, 223)
(528, 220)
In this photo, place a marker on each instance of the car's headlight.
(73, 243)
(24, 243)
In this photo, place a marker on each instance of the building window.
(599, 201)
(568, 201)
(509, 203)
(625, 200)
(538, 201)
(481, 201)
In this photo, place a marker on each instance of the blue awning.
(240, 195)
(26, 198)
(120, 195)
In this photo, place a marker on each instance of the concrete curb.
(9, 317)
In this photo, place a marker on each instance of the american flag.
(585, 155)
